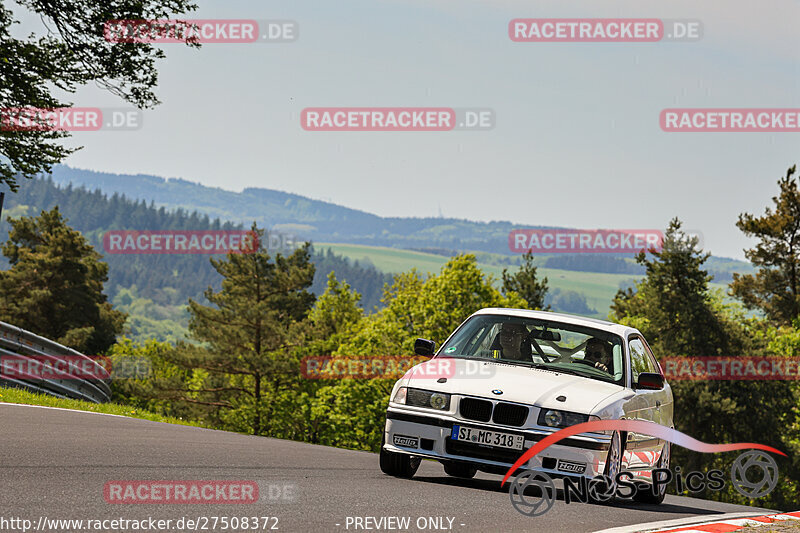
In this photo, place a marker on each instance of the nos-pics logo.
(754, 474)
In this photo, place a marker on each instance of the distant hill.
(304, 217)
(321, 221)
(367, 247)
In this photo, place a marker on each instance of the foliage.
(148, 320)
(55, 285)
(148, 391)
(524, 283)
(245, 336)
(432, 308)
(368, 280)
(73, 53)
(672, 303)
(675, 310)
(775, 288)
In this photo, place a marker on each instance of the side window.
(640, 360)
(652, 359)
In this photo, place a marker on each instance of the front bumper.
(428, 434)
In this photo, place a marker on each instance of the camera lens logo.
(532, 505)
(754, 460)
(601, 488)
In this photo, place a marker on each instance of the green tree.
(246, 334)
(333, 412)
(141, 372)
(332, 316)
(673, 302)
(434, 307)
(525, 283)
(775, 288)
(55, 285)
(677, 313)
(73, 53)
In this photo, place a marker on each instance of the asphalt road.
(55, 464)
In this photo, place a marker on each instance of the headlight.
(439, 401)
(560, 419)
(430, 399)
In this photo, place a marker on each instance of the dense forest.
(322, 221)
(154, 289)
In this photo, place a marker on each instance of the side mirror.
(650, 381)
(424, 347)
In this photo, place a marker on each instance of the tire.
(613, 465)
(615, 453)
(398, 464)
(644, 494)
(461, 470)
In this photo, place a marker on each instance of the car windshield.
(584, 351)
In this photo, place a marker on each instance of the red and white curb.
(720, 524)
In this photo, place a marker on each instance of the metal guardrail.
(20, 343)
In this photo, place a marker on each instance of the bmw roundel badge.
(497, 391)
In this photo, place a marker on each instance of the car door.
(642, 449)
(663, 408)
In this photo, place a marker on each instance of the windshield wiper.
(559, 369)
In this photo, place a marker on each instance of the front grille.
(509, 414)
(473, 409)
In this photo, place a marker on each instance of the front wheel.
(645, 493)
(398, 464)
(602, 491)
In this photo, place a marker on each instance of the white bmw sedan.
(507, 378)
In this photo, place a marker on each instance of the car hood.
(518, 383)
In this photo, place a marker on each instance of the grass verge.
(31, 398)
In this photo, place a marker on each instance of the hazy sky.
(577, 140)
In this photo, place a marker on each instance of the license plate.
(488, 437)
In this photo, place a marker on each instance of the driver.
(598, 354)
(511, 337)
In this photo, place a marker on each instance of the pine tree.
(246, 333)
(55, 285)
(775, 288)
(524, 283)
